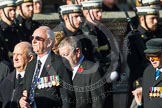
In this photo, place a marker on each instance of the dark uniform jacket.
(55, 96)
(10, 35)
(62, 27)
(147, 35)
(150, 81)
(99, 40)
(134, 46)
(86, 77)
(107, 51)
(90, 29)
(3, 49)
(26, 27)
(10, 91)
(134, 55)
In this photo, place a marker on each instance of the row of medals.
(48, 81)
(155, 92)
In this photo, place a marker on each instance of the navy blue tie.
(18, 80)
(157, 73)
(33, 85)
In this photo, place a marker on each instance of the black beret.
(154, 45)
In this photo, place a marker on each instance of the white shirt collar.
(21, 73)
(43, 60)
(76, 67)
(159, 69)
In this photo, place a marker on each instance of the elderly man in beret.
(152, 78)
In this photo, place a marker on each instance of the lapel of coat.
(76, 78)
(12, 78)
(78, 75)
(48, 68)
(30, 72)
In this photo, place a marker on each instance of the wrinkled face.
(37, 6)
(10, 12)
(27, 9)
(96, 14)
(69, 54)
(74, 19)
(20, 58)
(40, 41)
(152, 21)
(155, 60)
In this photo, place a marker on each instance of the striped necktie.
(157, 73)
(33, 85)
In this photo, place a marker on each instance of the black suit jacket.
(9, 93)
(4, 70)
(54, 96)
(149, 81)
(92, 97)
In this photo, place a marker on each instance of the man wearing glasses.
(46, 75)
(152, 78)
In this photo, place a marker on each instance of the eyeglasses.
(37, 38)
(155, 58)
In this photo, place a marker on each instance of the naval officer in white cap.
(149, 2)
(24, 20)
(71, 17)
(8, 29)
(92, 10)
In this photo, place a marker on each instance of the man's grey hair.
(28, 48)
(72, 41)
(49, 32)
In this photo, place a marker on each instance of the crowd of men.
(74, 64)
